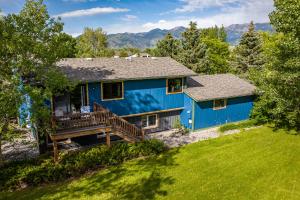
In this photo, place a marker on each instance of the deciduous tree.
(279, 82)
(93, 43)
(32, 43)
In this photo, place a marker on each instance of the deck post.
(107, 138)
(143, 134)
(55, 151)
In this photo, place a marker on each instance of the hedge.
(16, 174)
(239, 125)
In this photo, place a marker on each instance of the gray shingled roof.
(209, 87)
(96, 69)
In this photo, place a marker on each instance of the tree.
(123, 53)
(215, 59)
(168, 46)
(279, 82)
(247, 54)
(205, 51)
(190, 52)
(214, 33)
(33, 43)
(70, 50)
(9, 95)
(93, 43)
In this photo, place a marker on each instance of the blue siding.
(187, 112)
(24, 111)
(237, 109)
(140, 96)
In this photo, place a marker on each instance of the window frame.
(147, 117)
(102, 97)
(167, 85)
(220, 108)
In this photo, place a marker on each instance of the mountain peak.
(148, 39)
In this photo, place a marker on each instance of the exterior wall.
(237, 109)
(24, 111)
(140, 96)
(187, 113)
(166, 121)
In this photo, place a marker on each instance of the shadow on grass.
(289, 131)
(139, 179)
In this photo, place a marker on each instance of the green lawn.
(256, 164)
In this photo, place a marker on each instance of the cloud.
(192, 5)
(129, 18)
(91, 11)
(255, 10)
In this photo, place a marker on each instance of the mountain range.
(148, 39)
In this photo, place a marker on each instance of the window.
(111, 91)
(220, 104)
(149, 121)
(174, 85)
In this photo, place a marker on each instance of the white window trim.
(220, 108)
(153, 126)
(102, 99)
(167, 88)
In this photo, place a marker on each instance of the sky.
(118, 16)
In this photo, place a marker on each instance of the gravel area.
(174, 139)
(20, 148)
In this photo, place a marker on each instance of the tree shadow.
(289, 131)
(143, 178)
(91, 73)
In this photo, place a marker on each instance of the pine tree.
(190, 52)
(247, 54)
(205, 51)
(168, 46)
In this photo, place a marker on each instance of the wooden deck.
(100, 121)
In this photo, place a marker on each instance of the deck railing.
(79, 120)
(121, 125)
(100, 116)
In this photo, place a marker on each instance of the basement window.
(112, 91)
(220, 104)
(174, 85)
(150, 121)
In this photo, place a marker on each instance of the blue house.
(136, 96)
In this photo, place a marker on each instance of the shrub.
(240, 125)
(42, 170)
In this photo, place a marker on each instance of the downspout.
(193, 116)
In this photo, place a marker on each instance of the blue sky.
(116, 16)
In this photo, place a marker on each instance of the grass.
(255, 164)
(239, 125)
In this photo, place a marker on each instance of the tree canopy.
(93, 43)
(32, 43)
(248, 54)
(279, 82)
(168, 46)
(205, 50)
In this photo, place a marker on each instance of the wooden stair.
(120, 126)
(101, 120)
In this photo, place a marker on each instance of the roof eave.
(214, 98)
(134, 79)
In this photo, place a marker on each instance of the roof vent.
(89, 59)
(129, 58)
